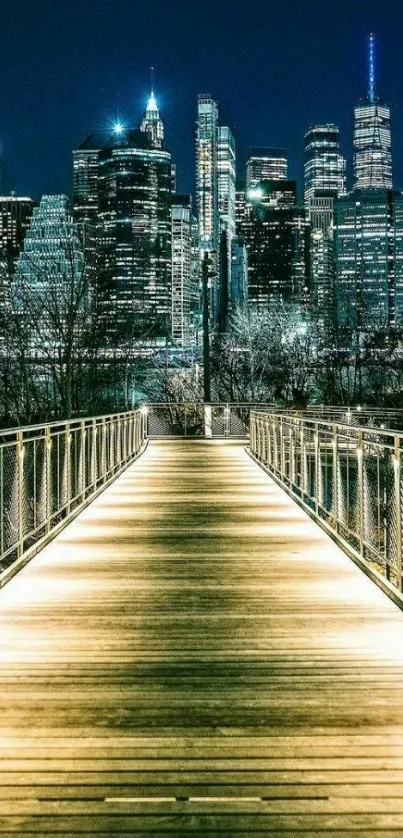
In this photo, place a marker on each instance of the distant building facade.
(15, 218)
(50, 267)
(266, 164)
(368, 247)
(325, 180)
(276, 235)
(182, 290)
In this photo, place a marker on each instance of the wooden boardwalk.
(194, 657)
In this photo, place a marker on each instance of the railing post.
(94, 454)
(2, 502)
(226, 420)
(67, 449)
(335, 470)
(398, 501)
(20, 495)
(267, 445)
(103, 450)
(268, 442)
(82, 460)
(303, 459)
(48, 472)
(208, 429)
(360, 485)
(282, 470)
(317, 467)
(292, 453)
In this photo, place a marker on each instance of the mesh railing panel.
(49, 471)
(350, 478)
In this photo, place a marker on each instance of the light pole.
(206, 337)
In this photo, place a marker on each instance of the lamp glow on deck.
(118, 127)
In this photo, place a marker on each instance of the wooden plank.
(194, 635)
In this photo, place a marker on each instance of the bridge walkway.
(193, 656)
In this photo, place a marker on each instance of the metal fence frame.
(50, 472)
(217, 420)
(348, 478)
(354, 415)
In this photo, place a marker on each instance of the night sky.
(275, 66)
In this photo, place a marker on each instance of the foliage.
(266, 356)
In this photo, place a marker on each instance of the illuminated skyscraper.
(207, 174)
(182, 292)
(51, 264)
(15, 218)
(276, 235)
(122, 185)
(325, 180)
(134, 269)
(266, 164)
(324, 168)
(152, 123)
(368, 243)
(226, 171)
(372, 136)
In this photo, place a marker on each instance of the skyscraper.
(134, 270)
(324, 167)
(207, 174)
(50, 269)
(325, 180)
(182, 291)
(15, 219)
(266, 164)
(122, 188)
(86, 175)
(226, 173)
(368, 244)
(276, 235)
(372, 135)
(152, 123)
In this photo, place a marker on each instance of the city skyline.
(269, 94)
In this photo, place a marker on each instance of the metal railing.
(349, 478)
(49, 472)
(196, 419)
(374, 417)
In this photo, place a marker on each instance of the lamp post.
(206, 337)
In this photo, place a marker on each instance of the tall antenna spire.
(152, 80)
(372, 63)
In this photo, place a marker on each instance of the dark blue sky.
(275, 66)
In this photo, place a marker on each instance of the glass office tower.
(372, 136)
(134, 271)
(368, 246)
(324, 166)
(265, 164)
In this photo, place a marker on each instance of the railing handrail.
(206, 404)
(120, 414)
(77, 420)
(333, 424)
